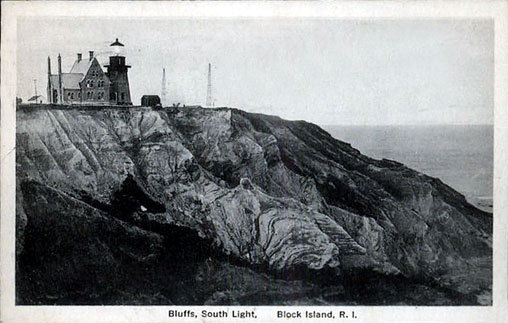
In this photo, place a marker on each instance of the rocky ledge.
(193, 196)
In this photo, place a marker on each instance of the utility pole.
(209, 87)
(163, 88)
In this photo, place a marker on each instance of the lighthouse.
(119, 92)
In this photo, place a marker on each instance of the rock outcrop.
(272, 194)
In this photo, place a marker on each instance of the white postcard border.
(496, 10)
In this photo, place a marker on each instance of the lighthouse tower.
(119, 92)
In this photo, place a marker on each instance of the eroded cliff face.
(273, 194)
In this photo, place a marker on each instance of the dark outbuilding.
(150, 100)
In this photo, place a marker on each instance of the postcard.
(254, 161)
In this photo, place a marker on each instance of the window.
(72, 95)
(89, 95)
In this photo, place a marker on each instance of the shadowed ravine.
(220, 206)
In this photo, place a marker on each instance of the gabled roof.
(69, 80)
(82, 66)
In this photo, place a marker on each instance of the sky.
(325, 71)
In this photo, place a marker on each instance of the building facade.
(87, 83)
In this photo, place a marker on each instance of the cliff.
(269, 201)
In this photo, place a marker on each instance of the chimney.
(79, 57)
(49, 97)
(59, 64)
(91, 54)
(60, 92)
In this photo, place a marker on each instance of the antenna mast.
(35, 88)
(209, 87)
(163, 90)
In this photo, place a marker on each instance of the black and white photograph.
(248, 161)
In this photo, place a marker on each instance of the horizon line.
(407, 124)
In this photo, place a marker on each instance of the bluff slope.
(99, 191)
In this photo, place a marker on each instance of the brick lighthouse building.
(87, 84)
(119, 92)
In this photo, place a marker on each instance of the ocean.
(460, 155)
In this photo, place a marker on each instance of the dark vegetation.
(65, 263)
